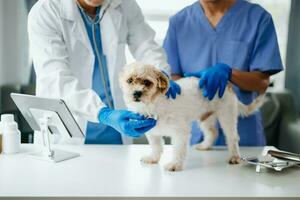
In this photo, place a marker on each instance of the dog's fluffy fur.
(174, 117)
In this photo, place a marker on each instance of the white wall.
(14, 67)
(157, 13)
(171, 6)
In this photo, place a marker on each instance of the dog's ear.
(162, 82)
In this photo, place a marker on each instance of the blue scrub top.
(98, 133)
(245, 39)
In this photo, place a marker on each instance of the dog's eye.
(147, 82)
(129, 80)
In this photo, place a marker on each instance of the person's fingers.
(168, 93)
(222, 89)
(173, 93)
(129, 130)
(203, 85)
(134, 116)
(212, 87)
(145, 129)
(205, 92)
(141, 123)
(213, 92)
(203, 81)
(173, 90)
(178, 89)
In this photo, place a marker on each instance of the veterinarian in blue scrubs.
(241, 47)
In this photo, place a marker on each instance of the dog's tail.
(246, 110)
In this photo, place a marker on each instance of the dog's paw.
(173, 166)
(202, 146)
(149, 160)
(234, 160)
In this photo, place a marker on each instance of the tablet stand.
(47, 153)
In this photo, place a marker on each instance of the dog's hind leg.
(208, 126)
(179, 145)
(156, 144)
(228, 121)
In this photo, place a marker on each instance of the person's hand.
(174, 88)
(213, 79)
(126, 122)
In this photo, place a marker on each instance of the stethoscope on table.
(101, 59)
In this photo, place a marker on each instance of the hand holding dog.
(126, 122)
(174, 88)
(213, 79)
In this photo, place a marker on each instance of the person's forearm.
(175, 77)
(250, 81)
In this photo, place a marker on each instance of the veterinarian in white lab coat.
(78, 49)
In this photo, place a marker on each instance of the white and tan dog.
(144, 88)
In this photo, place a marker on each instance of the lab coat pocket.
(235, 54)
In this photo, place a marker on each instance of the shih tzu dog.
(144, 88)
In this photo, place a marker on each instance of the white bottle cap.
(11, 127)
(7, 118)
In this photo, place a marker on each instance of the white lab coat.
(64, 59)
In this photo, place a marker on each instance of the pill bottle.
(11, 136)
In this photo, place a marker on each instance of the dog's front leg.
(156, 144)
(179, 145)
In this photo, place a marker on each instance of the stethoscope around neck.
(98, 18)
(100, 57)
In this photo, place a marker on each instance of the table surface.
(106, 171)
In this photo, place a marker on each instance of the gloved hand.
(126, 122)
(173, 89)
(213, 79)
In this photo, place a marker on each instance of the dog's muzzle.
(137, 95)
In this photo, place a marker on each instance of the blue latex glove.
(173, 89)
(213, 79)
(126, 122)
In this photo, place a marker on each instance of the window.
(14, 62)
(158, 12)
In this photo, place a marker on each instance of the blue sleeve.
(170, 46)
(266, 56)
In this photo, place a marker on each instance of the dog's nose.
(137, 94)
